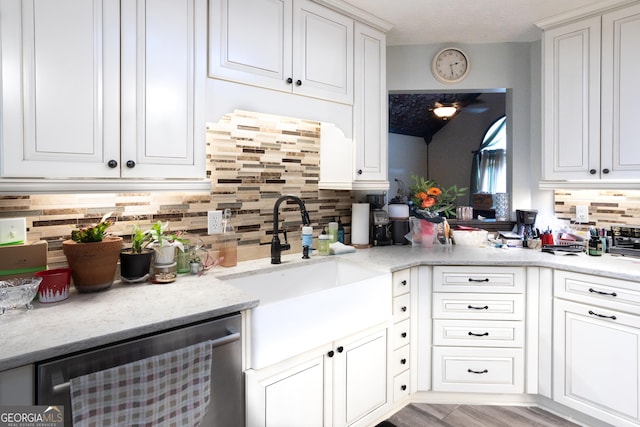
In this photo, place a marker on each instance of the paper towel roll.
(360, 223)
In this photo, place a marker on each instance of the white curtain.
(492, 171)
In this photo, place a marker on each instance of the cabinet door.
(163, 88)
(620, 93)
(360, 378)
(250, 42)
(291, 398)
(60, 88)
(370, 109)
(596, 361)
(571, 145)
(322, 52)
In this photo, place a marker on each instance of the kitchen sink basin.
(311, 304)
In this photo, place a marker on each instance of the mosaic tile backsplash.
(606, 207)
(251, 160)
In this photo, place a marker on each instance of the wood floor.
(423, 415)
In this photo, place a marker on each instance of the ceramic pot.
(135, 266)
(164, 255)
(93, 265)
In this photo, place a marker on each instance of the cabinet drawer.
(401, 386)
(400, 360)
(401, 282)
(401, 307)
(401, 334)
(479, 279)
(478, 306)
(479, 370)
(479, 333)
(614, 293)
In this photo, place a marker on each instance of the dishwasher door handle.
(218, 342)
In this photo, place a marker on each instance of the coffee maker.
(379, 221)
(525, 222)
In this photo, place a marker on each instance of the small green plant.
(139, 239)
(93, 233)
(161, 236)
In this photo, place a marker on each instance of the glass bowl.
(18, 292)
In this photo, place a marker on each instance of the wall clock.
(450, 65)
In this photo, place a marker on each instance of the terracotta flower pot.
(93, 264)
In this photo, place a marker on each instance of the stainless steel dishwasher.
(226, 406)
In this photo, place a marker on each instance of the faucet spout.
(276, 246)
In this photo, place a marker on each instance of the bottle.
(595, 246)
(340, 231)
(307, 237)
(333, 232)
(229, 248)
(323, 243)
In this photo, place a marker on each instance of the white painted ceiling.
(465, 21)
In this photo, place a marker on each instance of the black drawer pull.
(478, 280)
(486, 334)
(471, 371)
(610, 294)
(602, 315)
(470, 307)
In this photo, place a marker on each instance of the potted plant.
(92, 256)
(135, 261)
(164, 243)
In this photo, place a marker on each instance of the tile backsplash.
(251, 160)
(606, 207)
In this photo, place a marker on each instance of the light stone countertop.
(126, 311)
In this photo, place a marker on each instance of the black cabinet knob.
(131, 164)
(403, 387)
(403, 308)
(403, 361)
(298, 82)
(330, 353)
(592, 171)
(340, 349)
(112, 164)
(359, 172)
(403, 335)
(605, 170)
(289, 80)
(403, 283)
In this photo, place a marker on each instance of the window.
(489, 168)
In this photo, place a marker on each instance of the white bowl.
(18, 292)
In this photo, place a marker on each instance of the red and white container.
(55, 285)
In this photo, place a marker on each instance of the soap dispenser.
(323, 243)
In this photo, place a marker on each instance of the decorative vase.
(164, 255)
(134, 267)
(93, 265)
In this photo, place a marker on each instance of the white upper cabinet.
(100, 89)
(620, 93)
(590, 91)
(289, 45)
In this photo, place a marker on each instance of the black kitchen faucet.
(276, 246)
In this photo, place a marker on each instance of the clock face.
(450, 65)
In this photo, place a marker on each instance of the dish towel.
(338, 248)
(171, 389)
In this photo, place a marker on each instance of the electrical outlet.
(582, 214)
(214, 222)
(13, 230)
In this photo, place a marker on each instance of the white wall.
(514, 66)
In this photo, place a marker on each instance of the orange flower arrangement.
(428, 195)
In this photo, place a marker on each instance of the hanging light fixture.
(444, 112)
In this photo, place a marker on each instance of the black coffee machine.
(378, 221)
(525, 222)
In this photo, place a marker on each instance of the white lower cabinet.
(596, 346)
(339, 384)
(478, 329)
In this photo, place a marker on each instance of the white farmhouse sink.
(311, 304)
